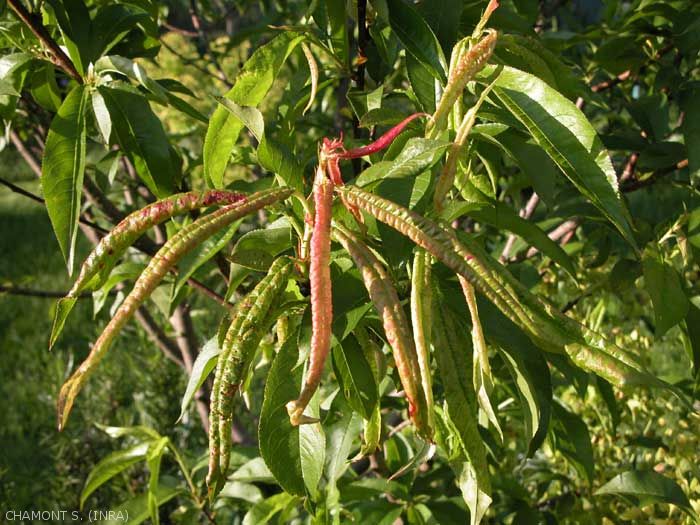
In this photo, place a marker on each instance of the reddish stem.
(382, 142)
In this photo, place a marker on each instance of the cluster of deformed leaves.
(481, 347)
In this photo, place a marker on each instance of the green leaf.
(153, 460)
(467, 453)
(417, 37)
(571, 438)
(422, 83)
(563, 131)
(202, 367)
(644, 487)
(141, 135)
(74, 21)
(111, 24)
(263, 511)
(10, 64)
(140, 432)
(336, 18)
(692, 329)
(251, 117)
(251, 86)
(341, 437)
(377, 512)
(527, 366)
(350, 300)
(112, 465)
(355, 377)
(243, 491)
(418, 155)
(127, 270)
(258, 248)
(132, 70)
(276, 158)
(294, 455)
(64, 306)
(664, 287)
(691, 130)
(135, 510)
(44, 88)
(444, 17)
(102, 117)
(253, 471)
(62, 170)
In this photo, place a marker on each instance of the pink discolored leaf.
(321, 297)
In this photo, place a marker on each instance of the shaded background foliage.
(631, 67)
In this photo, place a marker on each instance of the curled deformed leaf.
(396, 327)
(546, 326)
(248, 325)
(321, 294)
(313, 70)
(99, 263)
(176, 247)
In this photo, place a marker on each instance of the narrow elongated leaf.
(153, 460)
(252, 84)
(279, 160)
(337, 29)
(355, 376)
(340, 440)
(111, 24)
(140, 432)
(74, 21)
(417, 37)
(62, 170)
(136, 509)
(253, 471)
(295, 459)
(664, 287)
(141, 135)
(572, 439)
(243, 491)
(468, 458)
(692, 329)
(527, 366)
(112, 465)
(102, 117)
(444, 17)
(422, 83)
(251, 117)
(563, 131)
(418, 155)
(132, 70)
(643, 487)
(202, 367)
